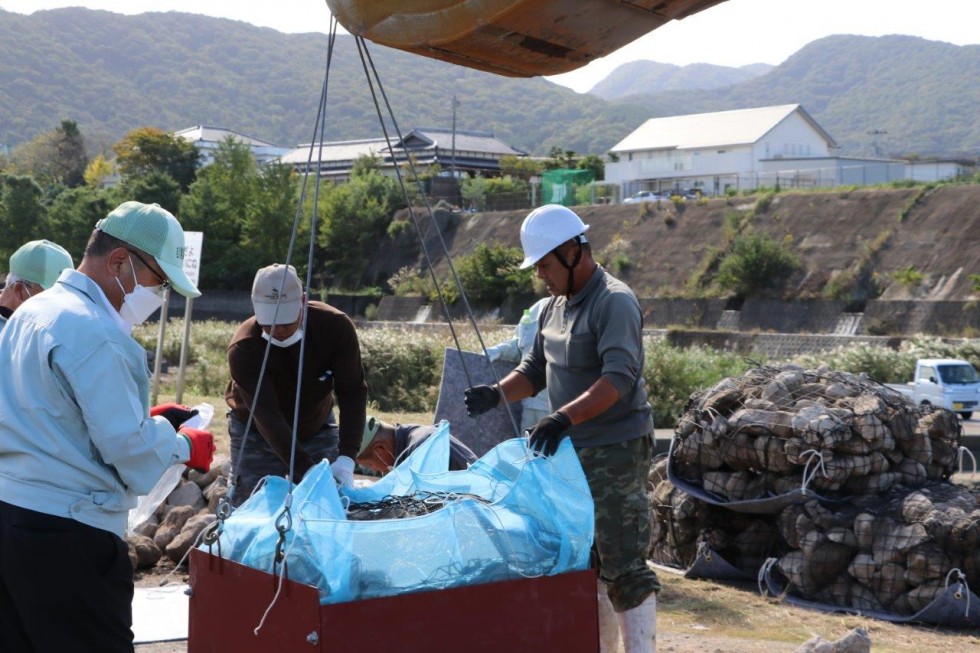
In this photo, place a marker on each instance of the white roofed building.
(207, 139)
(475, 153)
(740, 149)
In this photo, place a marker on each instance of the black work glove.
(176, 414)
(481, 398)
(548, 432)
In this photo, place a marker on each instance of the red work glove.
(202, 448)
(176, 414)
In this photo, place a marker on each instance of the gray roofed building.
(475, 152)
(207, 139)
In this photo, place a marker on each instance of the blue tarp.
(530, 516)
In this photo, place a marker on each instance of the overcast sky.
(734, 33)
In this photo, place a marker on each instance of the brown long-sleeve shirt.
(332, 366)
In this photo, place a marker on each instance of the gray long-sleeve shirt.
(597, 333)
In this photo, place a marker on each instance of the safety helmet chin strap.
(571, 266)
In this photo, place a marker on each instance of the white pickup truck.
(946, 382)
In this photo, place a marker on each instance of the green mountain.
(111, 73)
(922, 93)
(646, 77)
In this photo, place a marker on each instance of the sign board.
(193, 242)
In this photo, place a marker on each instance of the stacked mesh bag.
(840, 483)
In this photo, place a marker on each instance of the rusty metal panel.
(520, 38)
(227, 603)
(532, 615)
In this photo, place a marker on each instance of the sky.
(734, 33)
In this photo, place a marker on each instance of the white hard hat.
(547, 227)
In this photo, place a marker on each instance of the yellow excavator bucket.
(517, 38)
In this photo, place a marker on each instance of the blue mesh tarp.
(528, 516)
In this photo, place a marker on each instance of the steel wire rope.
(225, 509)
(366, 60)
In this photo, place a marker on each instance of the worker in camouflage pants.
(588, 354)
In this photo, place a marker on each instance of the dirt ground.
(708, 617)
(935, 232)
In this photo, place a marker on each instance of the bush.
(491, 275)
(672, 375)
(756, 263)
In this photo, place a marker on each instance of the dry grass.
(737, 618)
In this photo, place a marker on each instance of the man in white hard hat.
(34, 268)
(588, 353)
(77, 442)
(331, 367)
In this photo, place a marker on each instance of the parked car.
(950, 383)
(644, 196)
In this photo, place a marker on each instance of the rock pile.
(779, 429)
(886, 530)
(176, 524)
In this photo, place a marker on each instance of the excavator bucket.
(516, 38)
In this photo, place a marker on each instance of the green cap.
(371, 426)
(40, 262)
(154, 230)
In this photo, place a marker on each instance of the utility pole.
(874, 134)
(455, 104)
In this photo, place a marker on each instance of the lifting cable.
(284, 521)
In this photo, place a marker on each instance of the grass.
(738, 618)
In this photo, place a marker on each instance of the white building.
(207, 140)
(740, 149)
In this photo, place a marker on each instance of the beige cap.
(277, 284)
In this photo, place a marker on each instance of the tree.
(21, 213)
(148, 149)
(355, 219)
(72, 217)
(54, 157)
(595, 164)
(98, 170)
(490, 275)
(270, 215)
(521, 167)
(154, 187)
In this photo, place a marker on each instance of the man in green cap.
(34, 268)
(77, 442)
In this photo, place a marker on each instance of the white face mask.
(288, 342)
(138, 305)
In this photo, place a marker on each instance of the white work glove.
(343, 471)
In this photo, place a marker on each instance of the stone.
(209, 477)
(147, 552)
(478, 433)
(857, 641)
(181, 544)
(215, 492)
(187, 494)
(149, 527)
(172, 524)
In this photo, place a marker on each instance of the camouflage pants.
(259, 460)
(617, 476)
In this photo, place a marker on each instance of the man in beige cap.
(331, 367)
(34, 268)
(77, 442)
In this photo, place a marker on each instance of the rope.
(809, 475)
(964, 588)
(964, 451)
(764, 574)
(275, 597)
(366, 62)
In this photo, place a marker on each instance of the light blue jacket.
(76, 439)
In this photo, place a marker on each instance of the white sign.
(193, 242)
